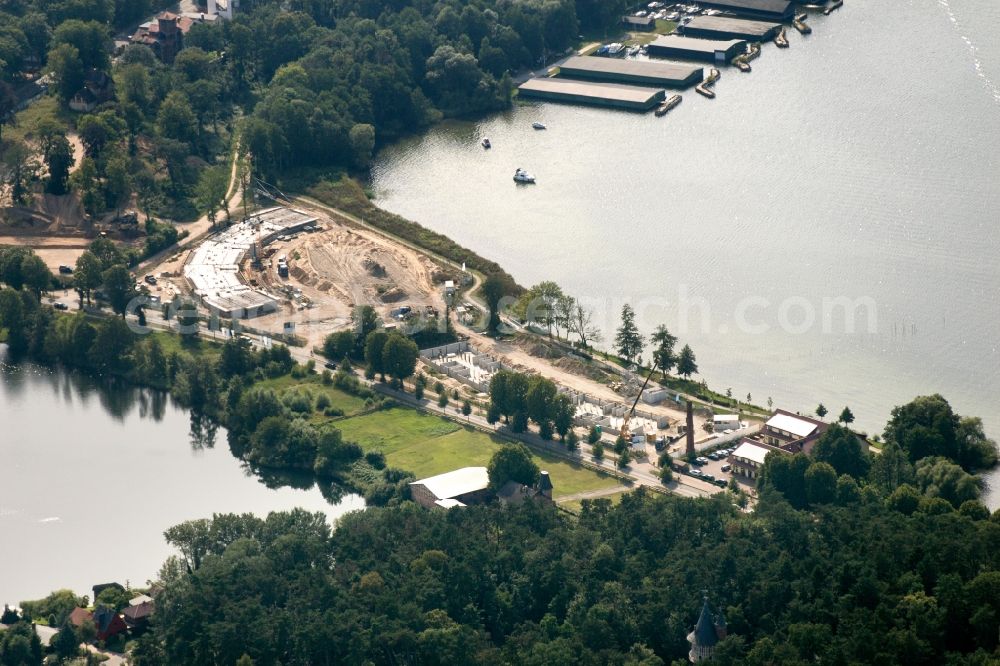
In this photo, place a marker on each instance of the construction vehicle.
(626, 431)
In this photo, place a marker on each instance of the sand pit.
(339, 268)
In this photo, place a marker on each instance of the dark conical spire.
(704, 632)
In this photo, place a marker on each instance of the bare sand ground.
(342, 267)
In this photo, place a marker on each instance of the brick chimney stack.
(690, 428)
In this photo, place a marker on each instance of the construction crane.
(626, 431)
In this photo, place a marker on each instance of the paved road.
(643, 472)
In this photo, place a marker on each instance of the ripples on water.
(861, 162)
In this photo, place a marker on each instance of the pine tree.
(628, 340)
(846, 416)
(663, 355)
(821, 410)
(686, 364)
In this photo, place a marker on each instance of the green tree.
(37, 276)
(937, 476)
(210, 194)
(663, 353)
(927, 426)
(846, 416)
(687, 365)
(466, 408)
(494, 289)
(399, 356)
(820, 483)
(842, 449)
(176, 119)
(91, 39)
(119, 288)
(65, 644)
(512, 462)
(362, 140)
(365, 320)
(821, 410)
(628, 340)
(338, 345)
(66, 68)
(374, 348)
(539, 305)
(111, 346)
(87, 184)
(58, 156)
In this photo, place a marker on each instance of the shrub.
(376, 459)
(322, 401)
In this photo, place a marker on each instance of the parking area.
(715, 467)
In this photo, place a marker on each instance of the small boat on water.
(538, 126)
(665, 107)
(522, 176)
(486, 143)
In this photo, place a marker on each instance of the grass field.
(345, 402)
(576, 505)
(427, 445)
(27, 120)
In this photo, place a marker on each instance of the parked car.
(60, 306)
(65, 270)
(722, 483)
(701, 460)
(150, 279)
(709, 477)
(694, 471)
(727, 467)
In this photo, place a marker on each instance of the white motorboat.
(522, 176)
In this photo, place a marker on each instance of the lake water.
(91, 476)
(861, 164)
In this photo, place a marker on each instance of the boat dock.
(614, 95)
(726, 27)
(633, 72)
(671, 46)
(703, 87)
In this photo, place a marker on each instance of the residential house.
(792, 433)
(137, 615)
(97, 88)
(107, 622)
(748, 458)
(165, 33)
(513, 492)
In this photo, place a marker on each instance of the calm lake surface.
(91, 476)
(861, 163)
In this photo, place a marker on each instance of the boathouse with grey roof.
(654, 73)
(727, 27)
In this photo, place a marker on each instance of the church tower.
(706, 633)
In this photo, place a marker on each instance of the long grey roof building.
(637, 72)
(778, 10)
(720, 51)
(727, 27)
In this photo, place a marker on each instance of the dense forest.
(300, 86)
(855, 578)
